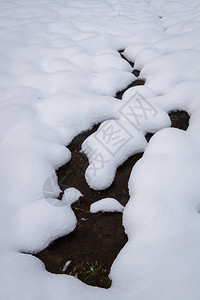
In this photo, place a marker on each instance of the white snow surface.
(106, 205)
(60, 70)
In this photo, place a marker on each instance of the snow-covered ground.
(60, 70)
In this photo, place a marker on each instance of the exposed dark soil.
(94, 244)
(99, 237)
(179, 119)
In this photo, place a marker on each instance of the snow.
(106, 205)
(116, 140)
(60, 70)
(111, 80)
(39, 223)
(66, 265)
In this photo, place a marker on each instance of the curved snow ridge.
(116, 140)
(163, 212)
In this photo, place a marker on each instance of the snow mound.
(116, 140)
(106, 205)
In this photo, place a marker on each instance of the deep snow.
(60, 70)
